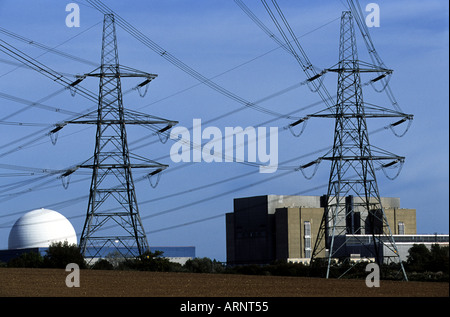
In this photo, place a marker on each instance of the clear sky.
(216, 39)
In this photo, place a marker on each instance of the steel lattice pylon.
(112, 220)
(353, 192)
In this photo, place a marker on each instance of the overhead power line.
(53, 50)
(178, 63)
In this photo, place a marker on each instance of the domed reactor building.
(36, 231)
(40, 228)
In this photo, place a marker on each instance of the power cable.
(57, 109)
(375, 57)
(301, 58)
(48, 49)
(223, 214)
(176, 62)
(37, 104)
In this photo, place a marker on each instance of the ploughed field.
(52, 282)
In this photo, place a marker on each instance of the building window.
(401, 228)
(307, 228)
(307, 236)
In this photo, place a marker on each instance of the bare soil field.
(93, 283)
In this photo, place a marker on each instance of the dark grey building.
(251, 228)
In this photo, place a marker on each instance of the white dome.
(39, 228)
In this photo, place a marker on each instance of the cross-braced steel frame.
(112, 220)
(353, 193)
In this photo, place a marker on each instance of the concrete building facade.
(263, 229)
(296, 229)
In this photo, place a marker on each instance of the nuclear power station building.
(36, 230)
(266, 228)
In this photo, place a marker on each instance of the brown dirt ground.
(93, 283)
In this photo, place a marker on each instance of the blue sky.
(217, 38)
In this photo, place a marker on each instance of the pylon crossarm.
(110, 166)
(362, 67)
(370, 111)
(361, 158)
(118, 71)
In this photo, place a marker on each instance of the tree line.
(422, 264)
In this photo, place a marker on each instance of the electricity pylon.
(112, 219)
(353, 193)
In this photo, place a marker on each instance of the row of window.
(307, 235)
